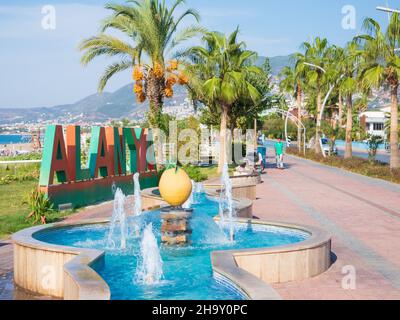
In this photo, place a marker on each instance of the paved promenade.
(362, 214)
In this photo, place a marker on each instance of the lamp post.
(331, 87)
(255, 135)
(390, 10)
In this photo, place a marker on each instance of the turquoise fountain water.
(138, 267)
(227, 210)
(149, 270)
(118, 220)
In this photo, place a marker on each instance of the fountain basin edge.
(288, 263)
(55, 270)
(66, 273)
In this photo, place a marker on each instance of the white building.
(374, 121)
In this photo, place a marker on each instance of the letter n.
(129, 141)
(116, 149)
(54, 159)
(99, 158)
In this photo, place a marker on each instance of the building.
(374, 121)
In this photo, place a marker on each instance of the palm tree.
(293, 82)
(218, 77)
(387, 125)
(317, 57)
(152, 29)
(347, 61)
(381, 67)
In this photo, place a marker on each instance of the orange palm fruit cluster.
(171, 80)
(137, 74)
(173, 65)
(138, 88)
(183, 79)
(169, 92)
(158, 70)
(141, 97)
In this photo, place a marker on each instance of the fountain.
(137, 210)
(175, 228)
(113, 188)
(199, 189)
(176, 188)
(149, 271)
(226, 209)
(175, 270)
(188, 204)
(118, 218)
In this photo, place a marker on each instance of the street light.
(331, 87)
(388, 9)
(315, 66)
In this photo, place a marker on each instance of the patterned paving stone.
(361, 214)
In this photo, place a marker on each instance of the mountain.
(108, 105)
(94, 108)
(277, 63)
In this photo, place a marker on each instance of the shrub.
(373, 145)
(194, 173)
(40, 206)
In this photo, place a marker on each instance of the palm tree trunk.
(394, 129)
(349, 128)
(155, 94)
(299, 111)
(222, 144)
(340, 110)
(318, 128)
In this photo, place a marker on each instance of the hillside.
(107, 106)
(277, 63)
(94, 108)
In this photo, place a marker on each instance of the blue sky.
(41, 67)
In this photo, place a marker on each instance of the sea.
(14, 139)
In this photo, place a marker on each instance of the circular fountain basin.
(210, 268)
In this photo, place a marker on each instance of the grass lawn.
(16, 182)
(13, 210)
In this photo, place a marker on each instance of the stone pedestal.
(175, 229)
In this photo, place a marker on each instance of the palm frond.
(111, 71)
(105, 45)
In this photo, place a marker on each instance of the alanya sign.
(114, 156)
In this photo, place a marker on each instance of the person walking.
(279, 154)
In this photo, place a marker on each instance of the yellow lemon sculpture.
(175, 187)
